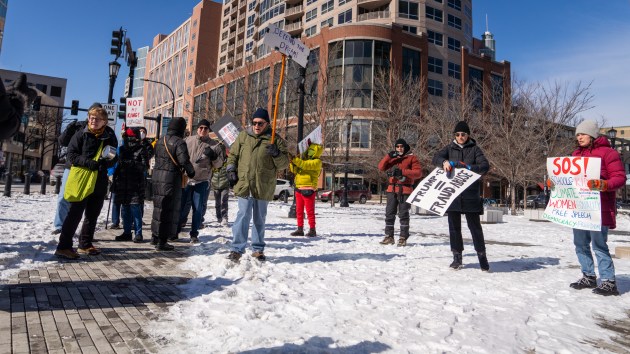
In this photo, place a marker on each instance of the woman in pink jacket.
(612, 177)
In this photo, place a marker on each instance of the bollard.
(42, 186)
(7, 185)
(58, 185)
(27, 183)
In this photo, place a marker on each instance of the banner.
(437, 191)
(314, 137)
(227, 129)
(571, 202)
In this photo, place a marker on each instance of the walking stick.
(109, 206)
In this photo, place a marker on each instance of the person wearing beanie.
(403, 170)
(171, 161)
(463, 152)
(612, 177)
(306, 169)
(252, 166)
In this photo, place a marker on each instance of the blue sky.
(546, 41)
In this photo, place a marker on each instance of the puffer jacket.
(308, 167)
(219, 178)
(201, 163)
(469, 201)
(129, 177)
(256, 169)
(411, 170)
(611, 170)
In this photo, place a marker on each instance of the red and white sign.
(135, 112)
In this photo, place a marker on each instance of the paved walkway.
(99, 304)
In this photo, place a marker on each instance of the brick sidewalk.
(98, 304)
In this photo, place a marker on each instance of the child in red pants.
(306, 169)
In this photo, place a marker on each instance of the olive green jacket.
(256, 170)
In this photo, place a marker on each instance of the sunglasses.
(258, 123)
(461, 134)
(400, 146)
(203, 128)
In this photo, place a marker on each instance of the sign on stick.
(135, 112)
(227, 129)
(285, 44)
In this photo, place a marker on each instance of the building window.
(345, 17)
(454, 22)
(311, 31)
(410, 29)
(435, 38)
(410, 63)
(55, 91)
(454, 70)
(360, 132)
(328, 6)
(435, 87)
(308, 2)
(407, 9)
(311, 14)
(454, 44)
(251, 31)
(194, 35)
(456, 4)
(42, 88)
(341, 2)
(435, 65)
(475, 86)
(434, 14)
(328, 22)
(249, 46)
(251, 6)
(189, 76)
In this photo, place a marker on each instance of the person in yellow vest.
(306, 170)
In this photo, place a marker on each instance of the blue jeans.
(583, 240)
(248, 207)
(132, 217)
(197, 195)
(62, 205)
(115, 210)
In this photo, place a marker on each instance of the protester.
(171, 160)
(12, 105)
(84, 151)
(306, 169)
(403, 170)
(463, 152)
(221, 189)
(612, 177)
(205, 153)
(129, 184)
(252, 167)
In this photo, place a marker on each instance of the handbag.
(306, 192)
(184, 176)
(81, 181)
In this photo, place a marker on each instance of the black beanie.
(403, 143)
(205, 123)
(261, 113)
(462, 127)
(177, 127)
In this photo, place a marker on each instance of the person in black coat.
(13, 104)
(82, 149)
(129, 183)
(463, 152)
(171, 158)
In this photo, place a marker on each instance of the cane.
(109, 206)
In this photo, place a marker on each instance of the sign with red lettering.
(134, 116)
(571, 202)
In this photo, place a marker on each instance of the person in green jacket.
(306, 169)
(252, 167)
(221, 189)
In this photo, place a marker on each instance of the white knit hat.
(588, 127)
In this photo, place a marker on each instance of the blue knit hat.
(261, 113)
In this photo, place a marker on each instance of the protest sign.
(134, 116)
(314, 137)
(227, 129)
(571, 202)
(437, 191)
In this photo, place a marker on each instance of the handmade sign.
(227, 129)
(438, 190)
(314, 137)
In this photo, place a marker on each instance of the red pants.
(302, 202)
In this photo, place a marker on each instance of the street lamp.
(172, 94)
(612, 135)
(114, 68)
(344, 202)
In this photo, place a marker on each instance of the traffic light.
(74, 109)
(37, 104)
(122, 109)
(117, 42)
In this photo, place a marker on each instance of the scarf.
(97, 132)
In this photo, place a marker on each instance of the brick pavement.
(98, 304)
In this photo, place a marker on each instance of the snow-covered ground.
(343, 292)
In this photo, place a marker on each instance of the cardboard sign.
(275, 38)
(571, 202)
(314, 137)
(227, 129)
(437, 191)
(135, 112)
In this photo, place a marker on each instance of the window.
(454, 70)
(308, 2)
(251, 6)
(328, 22)
(435, 38)
(311, 14)
(311, 31)
(475, 86)
(410, 63)
(251, 31)
(408, 9)
(435, 65)
(345, 17)
(434, 14)
(456, 4)
(359, 134)
(454, 44)
(435, 87)
(328, 6)
(341, 2)
(42, 88)
(55, 91)
(454, 21)
(410, 29)
(249, 46)
(250, 20)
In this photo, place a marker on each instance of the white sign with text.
(314, 137)
(275, 38)
(437, 191)
(135, 112)
(112, 110)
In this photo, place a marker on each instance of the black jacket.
(83, 147)
(129, 177)
(67, 134)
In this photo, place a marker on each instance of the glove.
(397, 173)
(393, 154)
(550, 184)
(462, 164)
(597, 185)
(272, 150)
(231, 175)
(92, 165)
(210, 153)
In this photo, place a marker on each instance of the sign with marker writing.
(227, 129)
(134, 116)
(437, 191)
(275, 38)
(571, 202)
(314, 137)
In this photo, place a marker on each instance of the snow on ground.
(344, 292)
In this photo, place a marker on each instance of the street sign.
(135, 112)
(111, 109)
(127, 85)
(275, 38)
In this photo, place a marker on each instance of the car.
(529, 201)
(356, 192)
(284, 189)
(490, 202)
(541, 201)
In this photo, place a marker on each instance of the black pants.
(455, 231)
(92, 206)
(396, 205)
(221, 197)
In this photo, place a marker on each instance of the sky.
(343, 292)
(545, 41)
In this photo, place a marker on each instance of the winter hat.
(588, 127)
(461, 127)
(130, 133)
(205, 123)
(403, 143)
(95, 105)
(177, 127)
(261, 113)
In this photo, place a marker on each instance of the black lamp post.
(114, 68)
(172, 94)
(612, 135)
(344, 202)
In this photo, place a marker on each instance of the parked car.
(541, 201)
(490, 202)
(529, 201)
(283, 189)
(356, 192)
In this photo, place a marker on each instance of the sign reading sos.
(574, 165)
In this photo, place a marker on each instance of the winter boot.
(154, 240)
(259, 255)
(402, 241)
(298, 232)
(311, 233)
(586, 282)
(457, 261)
(164, 247)
(607, 288)
(483, 261)
(388, 240)
(194, 239)
(234, 256)
(137, 239)
(124, 237)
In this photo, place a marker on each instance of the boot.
(298, 232)
(483, 261)
(402, 241)
(607, 288)
(164, 247)
(124, 237)
(388, 240)
(457, 261)
(586, 282)
(154, 240)
(311, 233)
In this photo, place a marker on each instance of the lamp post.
(344, 202)
(172, 94)
(545, 190)
(114, 68)
(612, 135)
